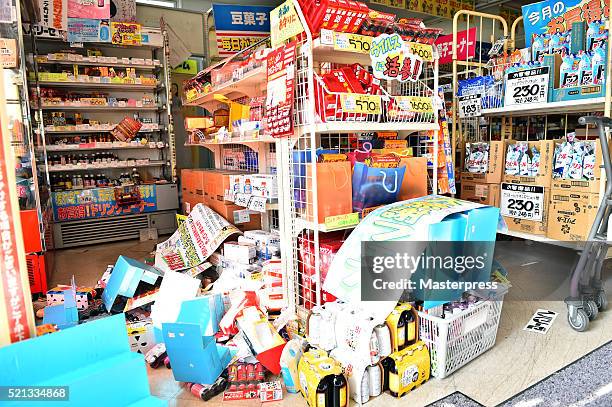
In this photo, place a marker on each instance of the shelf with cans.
(103, 116)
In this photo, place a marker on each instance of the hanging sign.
(284, 23)
(551, 16)
(280, 90)
(527, 86)
(522, 201)
(239, 27)
(419, 104)
(126, 33)
(8, 53)
(88, 30)
(96, 9)
(466, 46)
(393, 60)
(43, 32)
(257, 203)
(54, 14)
(352, 42)
(187, 67)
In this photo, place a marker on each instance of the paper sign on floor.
(541, 321)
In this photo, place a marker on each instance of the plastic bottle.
(365, 387)
(410, 328)
(323, 396)
(401, 332)
(374, 379)
(339, 395)
(384, 339)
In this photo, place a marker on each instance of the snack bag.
(586, 68)
(570, 71)
(575, 168)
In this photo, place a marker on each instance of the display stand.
(96, 91)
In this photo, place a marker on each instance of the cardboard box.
(571, 215)
(591, 186)
(544, 177)
(531, 226)
(486, 194)
(229, 213)
(496, 166)
(240, 252)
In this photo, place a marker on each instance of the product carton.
(84, 295)
(263, 339)
(588, 186)
(531, 226)
(545, 170)
(486, 194)
(243, 253)
(495, 168)
(571, 215)
(140, 334)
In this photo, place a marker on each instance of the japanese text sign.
(285, 23)
(551, 16)
(466, 46)
(280, 90)
(239, 27)
(392, 59)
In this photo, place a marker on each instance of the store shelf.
(102, 108)
(233, 141)
(303, 224)
(92, 85)
(364, 127)
(327, 53)
(94, 131)
(248, 86)
(574, 106)
(99, 44)
(106, 167)
(539, 238)
(110, 64)
(128, 147)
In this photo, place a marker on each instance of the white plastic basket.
(455, 341)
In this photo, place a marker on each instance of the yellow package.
(403, 326)
(406, 369)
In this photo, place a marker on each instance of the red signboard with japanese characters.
(13, 275)
(280, 90)
(466, 46)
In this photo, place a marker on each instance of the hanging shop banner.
(239, 27)
(522, 201)
(43, 32)
(466, 46)
(280, 90)
(126, 33)
(54, 14)
(470, 105)
(88, 30)
(98, 9)
(15, 304)
(8, 53)
(194, 241)
(392, 59)
(99, 203)
(284, 23)
(551, 16)
(527, 86)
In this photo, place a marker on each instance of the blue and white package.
(586, 68)
(540, 46)
(560, 43)
(575, 168)
(535, 162)
(598, 63)
(588, 164)
(597, 35)
(570, 72)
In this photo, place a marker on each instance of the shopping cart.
(587, 296)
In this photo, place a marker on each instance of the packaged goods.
(406, 369)
(597, 35)
(574, 160)
(321, 380)
(570, 71)
(477, 157)
(598, 63)
(540, 46)
(403, 326)
(560, 43)
(586, 68)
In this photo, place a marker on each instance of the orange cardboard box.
(486, 194)
(495, 168)
(571, 215)
(414, 184)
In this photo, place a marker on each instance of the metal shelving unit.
(159, 172)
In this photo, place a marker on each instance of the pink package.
(96, 9)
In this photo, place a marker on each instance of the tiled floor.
(518, 360)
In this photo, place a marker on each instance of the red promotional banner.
(466, 46)
(13, 293)
(281, 87)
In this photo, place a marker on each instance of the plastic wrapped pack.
(535, 162)
(570, 71)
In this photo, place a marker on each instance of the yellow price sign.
(352, 43)
(419, 104)
(341, 221)
(423, 51)
(358, 103)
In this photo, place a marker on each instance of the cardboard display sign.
(280, 90)
(522, 201)
(470, 106)
(527, 86)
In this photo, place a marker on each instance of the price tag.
(257, 203)
(242, 199)
(358, 103)
(527, 86)
(470, 106)
(242, 216)
(352, 43)
(326, 37)
(341, 221)
(418, 104)
(522, 201)
(423, 51)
